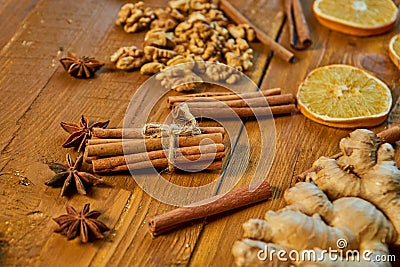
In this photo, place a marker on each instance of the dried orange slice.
(356, 17)
(344, 96)
(394, 50)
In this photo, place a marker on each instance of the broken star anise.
(80, 133)
(69, 176)
(83, 224)
(80, 67)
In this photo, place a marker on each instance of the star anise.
(80, 133)
(69, 176)
(80, 67)
(83, 224)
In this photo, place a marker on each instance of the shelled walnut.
(167, 19)
(221, 73)
(240, 54)
(128, 58)
(156, 54)
(243, 31)
(134, 17)
(180, 78)
(151, 68)
(159, 38)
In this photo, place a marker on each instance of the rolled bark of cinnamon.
(299, 32)
(226, 97)
(238, 18)
(302, 29)
(232, 200)
(148, 144)
(390, 135)
(275, 100)
(98, 141)
(136, 133)
(226, 113)
(112, 163)
(162, 163)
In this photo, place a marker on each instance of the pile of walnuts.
(188, 31)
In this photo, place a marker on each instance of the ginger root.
(366, 170)
(312, 222)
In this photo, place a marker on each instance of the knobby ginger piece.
(366, 170)
(312, 222)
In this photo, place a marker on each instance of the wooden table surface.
(36, 94)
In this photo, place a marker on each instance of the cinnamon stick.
(252, 102)
(222, 97)
(111, 163)
(300, 37)
(149, 144)
(390, 135)
(232, 200)
(137, 133)
(97, 141)
(238, 18)
(227, 113)
(161, 162)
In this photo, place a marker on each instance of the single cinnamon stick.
(299, 32)
(302, 29)
(162, 163)
(109, 164)
(227, 113)
(252, 102)
(97, 141)
(232, 200)
(238, 18)
(137, 133)
(148, 144)
(231, 96)
(390, 135)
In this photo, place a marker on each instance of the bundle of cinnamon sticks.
(230, 104)
(116, 150)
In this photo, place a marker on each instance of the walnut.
(156, 54)
(201, 5)
(134, 17)
(243, 31)
(179, 78)
(128, 58)
(181, 60)
(219, 72)
(159, 38)
(151, 68)
(215, 15)
(181, 5)
(241, 63)
(238, 54)
(165, 19)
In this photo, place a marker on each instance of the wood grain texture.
(36, 94)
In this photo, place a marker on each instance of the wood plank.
(299, 140)
(34, 128)
(12, 17)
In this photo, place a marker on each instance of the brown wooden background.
(36, 94)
